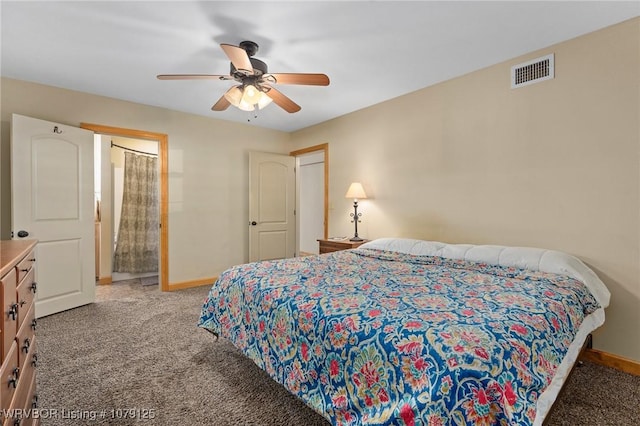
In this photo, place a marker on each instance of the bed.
(409, 332)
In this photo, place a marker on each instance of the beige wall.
(208, 169)
(552, 165)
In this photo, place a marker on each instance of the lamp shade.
(264, 100)
(356, 191)
(251, 94)
(244, 106)
(234, 95)
(247, 98)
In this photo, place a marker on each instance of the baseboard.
(189, 284)
(614, 361)
(104, 280)
(173, 286)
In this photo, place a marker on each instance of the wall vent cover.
(533, 71)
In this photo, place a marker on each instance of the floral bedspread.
(374, 337)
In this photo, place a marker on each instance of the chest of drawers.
(18, 339)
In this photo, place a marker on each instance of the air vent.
(531, 72)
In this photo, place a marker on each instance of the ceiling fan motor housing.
(259, 68)
(251, 47)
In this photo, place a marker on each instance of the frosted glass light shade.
(247, 98)
(251, 94)
(356, 191)
(264, 100)
(234, 96)
(244, 106)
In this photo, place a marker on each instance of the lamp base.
(356, 239)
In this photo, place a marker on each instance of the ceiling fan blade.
(305, 79)
(282, 101)
(193, 77)
(238, 57)
(221, 105)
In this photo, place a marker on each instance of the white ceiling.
(371, 50)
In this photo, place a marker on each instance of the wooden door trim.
(324, 148)
(163, 157)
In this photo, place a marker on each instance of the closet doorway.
(312, 197)
(138, 147)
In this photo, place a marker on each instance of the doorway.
(161, 142)
(129, 160)
(312, 188)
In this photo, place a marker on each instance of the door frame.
(163, 157)
(325, 149)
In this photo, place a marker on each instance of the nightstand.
(328, 246)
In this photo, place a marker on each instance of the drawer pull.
(34, 360)
(13, 311)
(22, 303)
(32, 260)
(13, 378)
(34, 324)
(34, 287)
(25, 346)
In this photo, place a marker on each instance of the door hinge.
(294, 212)
(11, 234)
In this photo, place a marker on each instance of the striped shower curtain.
(137, 244)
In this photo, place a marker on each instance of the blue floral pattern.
(375, 337)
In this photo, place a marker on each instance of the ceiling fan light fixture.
(264, 100)
(245, 106)
(234, 96)
(251, 94)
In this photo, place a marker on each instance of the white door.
(272, 225)
(53, 201)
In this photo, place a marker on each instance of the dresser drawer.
(9, 377)
(32, 403)
(26, 265)
(26, 337)
(9, 311)
(26, 293)
(24, 401)
(23, 398)
(330, 249)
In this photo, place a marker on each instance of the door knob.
(254, 223)
(23, 234)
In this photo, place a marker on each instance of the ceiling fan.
(255, 89)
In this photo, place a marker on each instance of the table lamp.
(356, 191)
